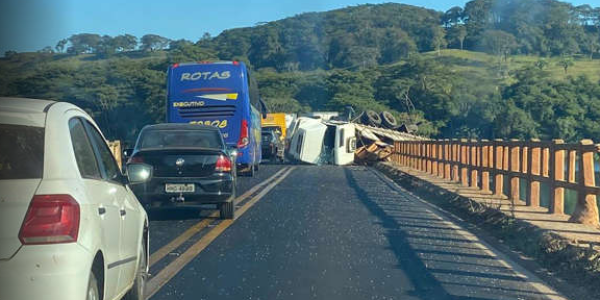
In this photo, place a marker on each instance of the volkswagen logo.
(179, 162)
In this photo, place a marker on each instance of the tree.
(125, 42)
(452, 16)
(60, 46)
(498, 42)
(206, 37)
(541, 64)
(107, 46)
(438, 41)
(457, 34)
(84, 42)
(185, 51)
(46, 49)
(476, 15)
(153, 42)
(396, 44)
(591, 44)
(566, 62)
(10, 54)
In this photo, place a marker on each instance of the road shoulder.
(566, 267)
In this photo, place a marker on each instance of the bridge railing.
(485, 164)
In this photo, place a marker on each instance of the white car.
(70, 226)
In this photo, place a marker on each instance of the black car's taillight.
(135, 160)
(223, 164)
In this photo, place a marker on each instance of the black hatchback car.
(272, 145)
(190, 164)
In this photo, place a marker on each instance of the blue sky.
(29, 25)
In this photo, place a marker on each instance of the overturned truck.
(315, 141)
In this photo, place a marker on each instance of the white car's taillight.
(50, 219)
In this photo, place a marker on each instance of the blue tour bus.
(221, 94)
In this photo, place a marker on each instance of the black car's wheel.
(227, 210)
(93, 293)
(139, 283)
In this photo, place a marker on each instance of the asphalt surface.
(170, 222)
(328, 232)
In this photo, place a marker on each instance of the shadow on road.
(179, 213)
(426, 286)
(442, 260)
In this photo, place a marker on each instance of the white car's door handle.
(123, 212)
(101, 210)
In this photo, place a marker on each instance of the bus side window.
(253, 90)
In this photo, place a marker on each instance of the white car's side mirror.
(139, 173)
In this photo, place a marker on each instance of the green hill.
(509, 82)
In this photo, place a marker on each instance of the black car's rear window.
(266, 137)
(153, 139)
(21, 152)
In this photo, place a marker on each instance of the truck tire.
(371, 118)
(227, 210)
(388, 120)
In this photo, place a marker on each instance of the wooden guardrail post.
(455, 160)
(499, 166)
(413, 152)
(424, 156)
(557, 193)
(417, 150)
(485, 163)
(534, 169)
(404, 153)
(586, 210)
(448, 158)
(514, 162)
(464, 160)
(439, 156)
(572, 160)
(474, 162)
(427, 155)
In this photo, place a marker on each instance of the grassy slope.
(481, 63)
(476, 64)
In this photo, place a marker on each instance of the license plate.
(180, 188)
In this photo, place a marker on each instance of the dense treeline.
(369, 35)
(368, 56)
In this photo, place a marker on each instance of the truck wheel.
(371, 118)
(388, 120)
(227, 210)
(92, 292)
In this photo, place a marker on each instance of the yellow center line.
(178, 241)
(166, 274)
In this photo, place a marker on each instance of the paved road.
(340, 233)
